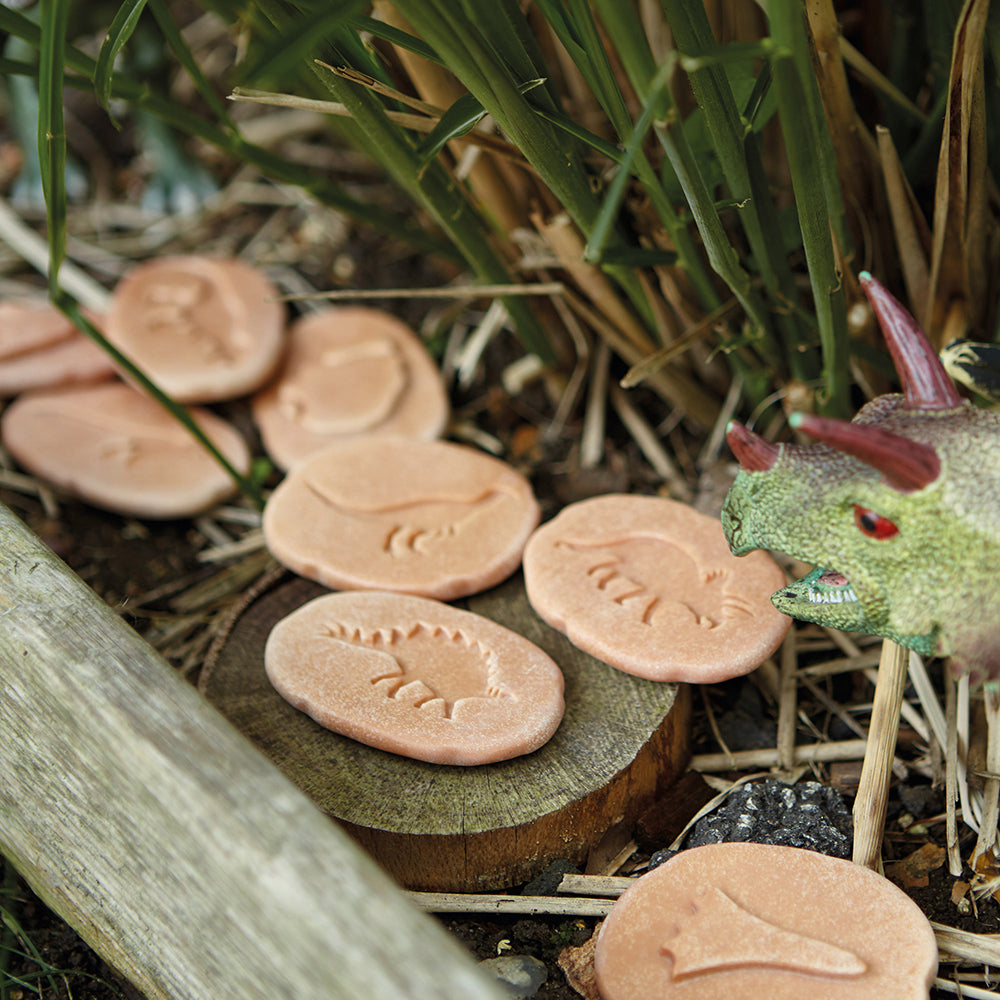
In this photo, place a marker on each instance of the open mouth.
(827, 586)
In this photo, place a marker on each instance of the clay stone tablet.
(349, 372)
(28, 326)
(648, 585)
(417, 517)
(759, 922)
(118, 449)
(416, 677)
(203, 329)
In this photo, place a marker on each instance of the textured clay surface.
(758, 922)
(203, 329)
(418, 517)
(347, 373)
(649, 586)
(416, 677)
(117, 449)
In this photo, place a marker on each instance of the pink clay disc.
(203, 329)
(416, 677)
(118, 449)
(349, 372)
(29, 326)
(418, 517)
(648, 585)
(759, 922)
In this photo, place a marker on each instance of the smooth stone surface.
(349, 372)
(416, 677)
(648, 585)
(116, 448)
(77, 360)
(418, 517)
(203, 329)
(519, 976)
(28, 326)
(757, 922)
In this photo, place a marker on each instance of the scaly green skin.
(934, 584)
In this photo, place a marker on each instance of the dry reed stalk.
(873, 788)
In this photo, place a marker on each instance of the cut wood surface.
(622, 742)
(175, 848)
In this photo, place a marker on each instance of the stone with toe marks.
(649, 586)
(416, 677)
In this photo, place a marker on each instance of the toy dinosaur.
(898, 510)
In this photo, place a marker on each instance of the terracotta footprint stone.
(419, 517)
(349, 372)
(759, 922)
(649, 586)
(416, 677)
(203, 329)
(118, 449)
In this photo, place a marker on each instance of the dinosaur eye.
(874, 525)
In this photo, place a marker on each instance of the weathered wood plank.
(175, 848)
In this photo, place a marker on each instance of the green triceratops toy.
(898, 509)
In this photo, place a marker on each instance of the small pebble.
(419, 517)
(116, 448)
(349, 372)
(203, 329)
(648, 585)
(757, 922)
(416, 677)
(518, 976)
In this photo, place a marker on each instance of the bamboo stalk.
(873, 788)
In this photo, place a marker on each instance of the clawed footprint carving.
(433, 667)
(646, 574)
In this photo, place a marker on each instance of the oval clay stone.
(761, 922)
(648, 585)
(349, 372)
(203, 329)
(27, 326)
(118, 449)
(419, 517)
(416, 677)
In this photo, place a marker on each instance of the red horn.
(751, 450)
(925, 382)
(904, 463)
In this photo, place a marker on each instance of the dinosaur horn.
(904, 463)
(925, 382)
(751, 450)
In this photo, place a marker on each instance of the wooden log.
(622, 742)
(179, 852)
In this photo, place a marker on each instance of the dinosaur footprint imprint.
(646, 574)
(419, 527)
(429, 666)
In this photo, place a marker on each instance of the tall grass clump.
(703, 179)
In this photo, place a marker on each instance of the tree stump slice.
(448, 828)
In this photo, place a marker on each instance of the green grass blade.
(51, 131)
(394, 36)
(284, 56)
(122, 25)
(185, 57)
(623, 26)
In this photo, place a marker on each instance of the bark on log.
(176, 849)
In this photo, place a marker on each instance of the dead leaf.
(578, 965)
(912, 871)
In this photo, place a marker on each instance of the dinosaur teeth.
(843, 596)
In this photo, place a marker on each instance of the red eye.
(874, 525)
